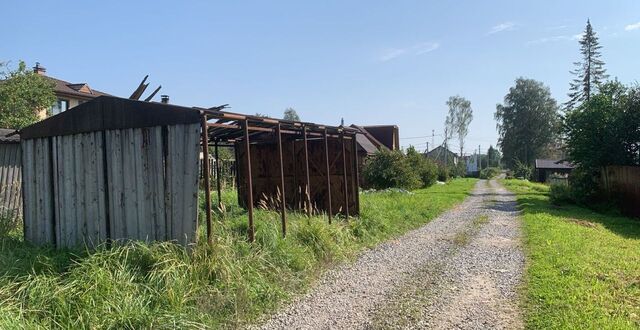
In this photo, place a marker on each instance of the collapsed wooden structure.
(115, 168)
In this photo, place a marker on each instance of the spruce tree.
(590, 72)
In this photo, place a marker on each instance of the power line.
(419, 137)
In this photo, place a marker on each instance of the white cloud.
(506, 26)
(417, 49)
(426, 47)
(557, 27)
(554, 39)
(632, 27)
(547, 39)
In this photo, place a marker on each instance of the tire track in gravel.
(461, 270)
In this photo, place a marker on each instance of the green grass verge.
(583, 268)
(229, 284)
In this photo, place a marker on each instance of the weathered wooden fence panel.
(136, 183)
(38, 188)
(10, 180)
(623, 183)
(79, 189)
(182, 181)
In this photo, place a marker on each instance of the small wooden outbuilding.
(120, 169)
(111, 169)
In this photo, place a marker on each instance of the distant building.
(471, 163)
(68, 95)
(546, 167)
(374, 138)
(441, 154)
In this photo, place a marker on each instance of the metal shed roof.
(553, 164)
(8, 135)
(109, 112)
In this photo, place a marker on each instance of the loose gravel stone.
(459, 271)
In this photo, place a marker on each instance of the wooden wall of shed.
(266, 174)
(622, 183)
(10, 181)
(137, 184)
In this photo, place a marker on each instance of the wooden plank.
(93, 211)
(176, 154)
(79, 189)
(139, 188)
(190, 216)
(27, 194)
(156, 169)
(101, 196)
(58, 182)
(129, 182)
(5, 151)
(115, 190)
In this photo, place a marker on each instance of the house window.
(60, 106)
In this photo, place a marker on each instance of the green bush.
(522, 170)
(443, 173)
(489, 172)
(584, 185)
(390, 169)
(560, 194)
(427, 170)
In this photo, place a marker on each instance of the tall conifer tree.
(590, 72)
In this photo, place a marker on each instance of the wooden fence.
(10, 181)
(623, 184)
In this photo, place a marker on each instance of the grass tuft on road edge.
(583, 268)
(230, 284)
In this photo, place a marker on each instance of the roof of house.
(437, 150)
(553, 164)
(15, 138)
(365, 144)
(81, 90)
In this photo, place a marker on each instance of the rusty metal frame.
(307, 189)
(207, 178)
(345, 177)
(326, 159)
(356, 174)
(283, 201)
(218, 184)
(247, 143)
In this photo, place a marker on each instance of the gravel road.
(460, 271)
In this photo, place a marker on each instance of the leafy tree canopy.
(459, 118)
(23, 94)
(291, 114)
(606, 129)
(527, 122)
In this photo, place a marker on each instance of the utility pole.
(427, 148)
(479, 158)
(433, 134)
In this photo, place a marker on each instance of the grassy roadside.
(226, 285)
(583, 268)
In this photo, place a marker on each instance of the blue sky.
(369, 62)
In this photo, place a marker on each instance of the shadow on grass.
(20, 258)
(623, 226)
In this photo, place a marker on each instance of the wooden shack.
(10, 175)
(111, 169)
(120, 169)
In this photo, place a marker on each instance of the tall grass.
(229, 284)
